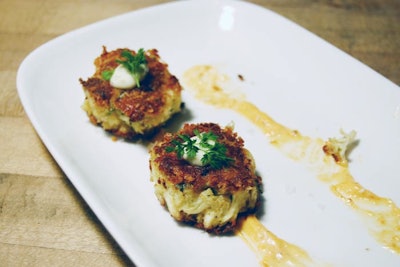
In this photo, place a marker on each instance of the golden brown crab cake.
(134, 111)
(209, 195)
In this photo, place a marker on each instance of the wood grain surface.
(43, 220)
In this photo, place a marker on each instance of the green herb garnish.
(185, 145)
(106, 75)
(214, 153)
(135, 64)
(216, 157)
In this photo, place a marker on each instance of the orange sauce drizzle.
(381, 214)
(270, 249)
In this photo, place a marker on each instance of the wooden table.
(43, 220)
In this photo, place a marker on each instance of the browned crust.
(147, 100)
(238, 176)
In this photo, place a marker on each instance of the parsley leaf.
(214, 153)
(216, 157)
(106, 75)
(135, 64)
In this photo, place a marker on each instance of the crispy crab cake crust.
(210, 199)
(134, 112)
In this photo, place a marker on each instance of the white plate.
(297, 78)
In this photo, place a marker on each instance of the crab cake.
(204, 176)
(131, 93)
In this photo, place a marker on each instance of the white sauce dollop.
(200, 153)
(123, 79)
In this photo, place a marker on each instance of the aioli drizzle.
(382, 214)
(270, 249)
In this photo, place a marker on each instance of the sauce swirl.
(382, 216)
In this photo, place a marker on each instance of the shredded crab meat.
(337, 147)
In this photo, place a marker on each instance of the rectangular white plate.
(297, 78)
